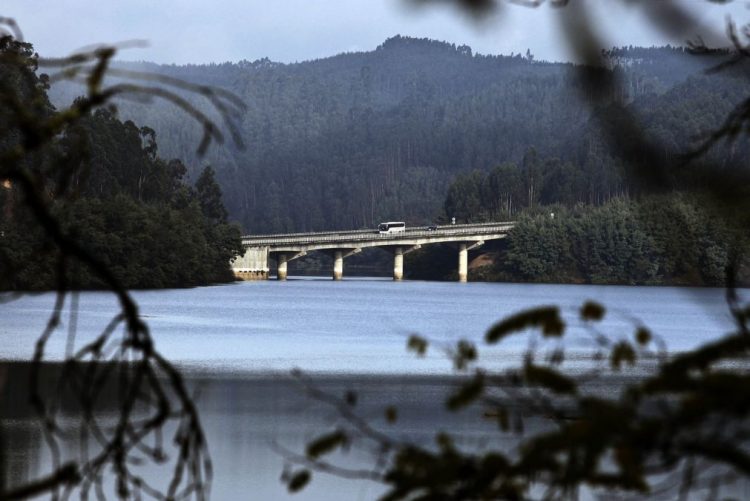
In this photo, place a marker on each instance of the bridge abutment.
(251, 275)
(252, 265)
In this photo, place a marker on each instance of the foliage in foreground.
(557, 462)
(156, 421)
(658, 425)
(678, 428)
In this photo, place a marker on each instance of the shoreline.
(372, 278)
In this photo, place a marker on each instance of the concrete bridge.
(259, 249)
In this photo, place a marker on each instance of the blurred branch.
(128, 367)
(66, 475)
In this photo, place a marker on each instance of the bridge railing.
(306, 234)
(367, 231)
(353, 237)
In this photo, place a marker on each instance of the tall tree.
(209, 196)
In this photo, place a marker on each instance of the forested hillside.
(132, 210)
(348, 141)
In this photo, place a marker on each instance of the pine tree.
(209, 196)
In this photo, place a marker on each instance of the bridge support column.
(338, 265)
(281, 271)
(338, 260)
(398, 263)
(463, 262)
(463, 258)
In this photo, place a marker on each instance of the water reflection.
(244, 417)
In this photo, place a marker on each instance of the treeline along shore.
(673, 239)
(138, 214)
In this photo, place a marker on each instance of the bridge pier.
(281, 269)
(463, 263)
(398, 259)
(463, 259)
(282, 262)
(398, 263)
(338, 261)
(338, 265)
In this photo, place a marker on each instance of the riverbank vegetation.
(675, 239)
(570, 231)
(137, 212)
(80, 192)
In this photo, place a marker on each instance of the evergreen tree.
(209, 196)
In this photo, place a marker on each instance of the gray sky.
(201, 31)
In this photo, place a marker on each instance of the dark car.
(432, 227)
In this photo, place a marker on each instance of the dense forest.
(348, 141)
(420, 130)
(677, 238)
(133, 210)
(660, 239)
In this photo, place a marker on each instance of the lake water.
(237, 343)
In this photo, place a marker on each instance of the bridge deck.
(455, 232)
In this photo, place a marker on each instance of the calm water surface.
(238, 343)
(358, 326)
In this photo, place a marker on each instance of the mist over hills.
(350, 140)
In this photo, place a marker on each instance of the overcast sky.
(201, 31)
